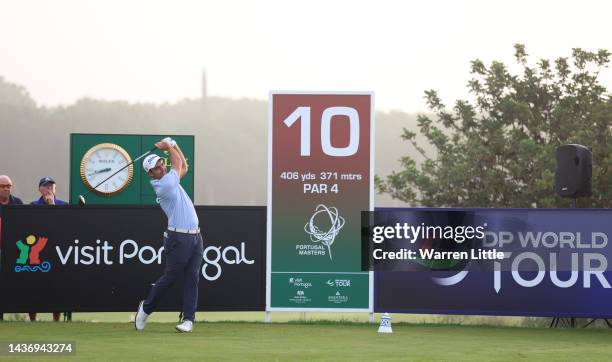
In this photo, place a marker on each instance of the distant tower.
(204, 90)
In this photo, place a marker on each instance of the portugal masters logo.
(29, 255)
(324, 229)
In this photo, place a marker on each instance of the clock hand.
(99, 171)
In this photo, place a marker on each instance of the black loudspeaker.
(574, 171)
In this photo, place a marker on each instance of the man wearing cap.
(183, 245)
(46, 186)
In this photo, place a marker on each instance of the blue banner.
(515, 262)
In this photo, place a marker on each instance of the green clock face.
(101, 161)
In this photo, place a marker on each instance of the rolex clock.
(101, 161)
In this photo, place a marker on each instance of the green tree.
(499, 149)
(13, 95)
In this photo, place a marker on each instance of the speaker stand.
(569, 322)
(594, 319)
(565, 322)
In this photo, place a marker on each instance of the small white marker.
(385, 324)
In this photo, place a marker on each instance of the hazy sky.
(155, 51)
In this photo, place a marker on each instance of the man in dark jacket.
(6, 185)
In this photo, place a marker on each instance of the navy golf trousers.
(183, 257)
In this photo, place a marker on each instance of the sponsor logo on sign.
(323, 227)
(338, 283)
(540, 249)
(29, 255)
(103, 253)
(300, 283)
(338, 298)
(300, 297)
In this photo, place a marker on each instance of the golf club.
(82, 197)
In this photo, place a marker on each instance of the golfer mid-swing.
(183, 246)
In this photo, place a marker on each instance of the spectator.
(46, 186)
(6, 184)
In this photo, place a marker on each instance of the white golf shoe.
(185, 327)
(141, 317)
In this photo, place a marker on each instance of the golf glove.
(169, 141)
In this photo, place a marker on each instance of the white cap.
(149, 162)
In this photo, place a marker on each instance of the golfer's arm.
(175, 158)
(185, 168)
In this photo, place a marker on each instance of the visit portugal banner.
(320, 164)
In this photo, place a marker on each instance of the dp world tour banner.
(531, 262)
(320, 179)
(105, 258)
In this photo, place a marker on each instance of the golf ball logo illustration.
(324, 225)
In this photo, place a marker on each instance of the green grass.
(171, 317)
(312, 341)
